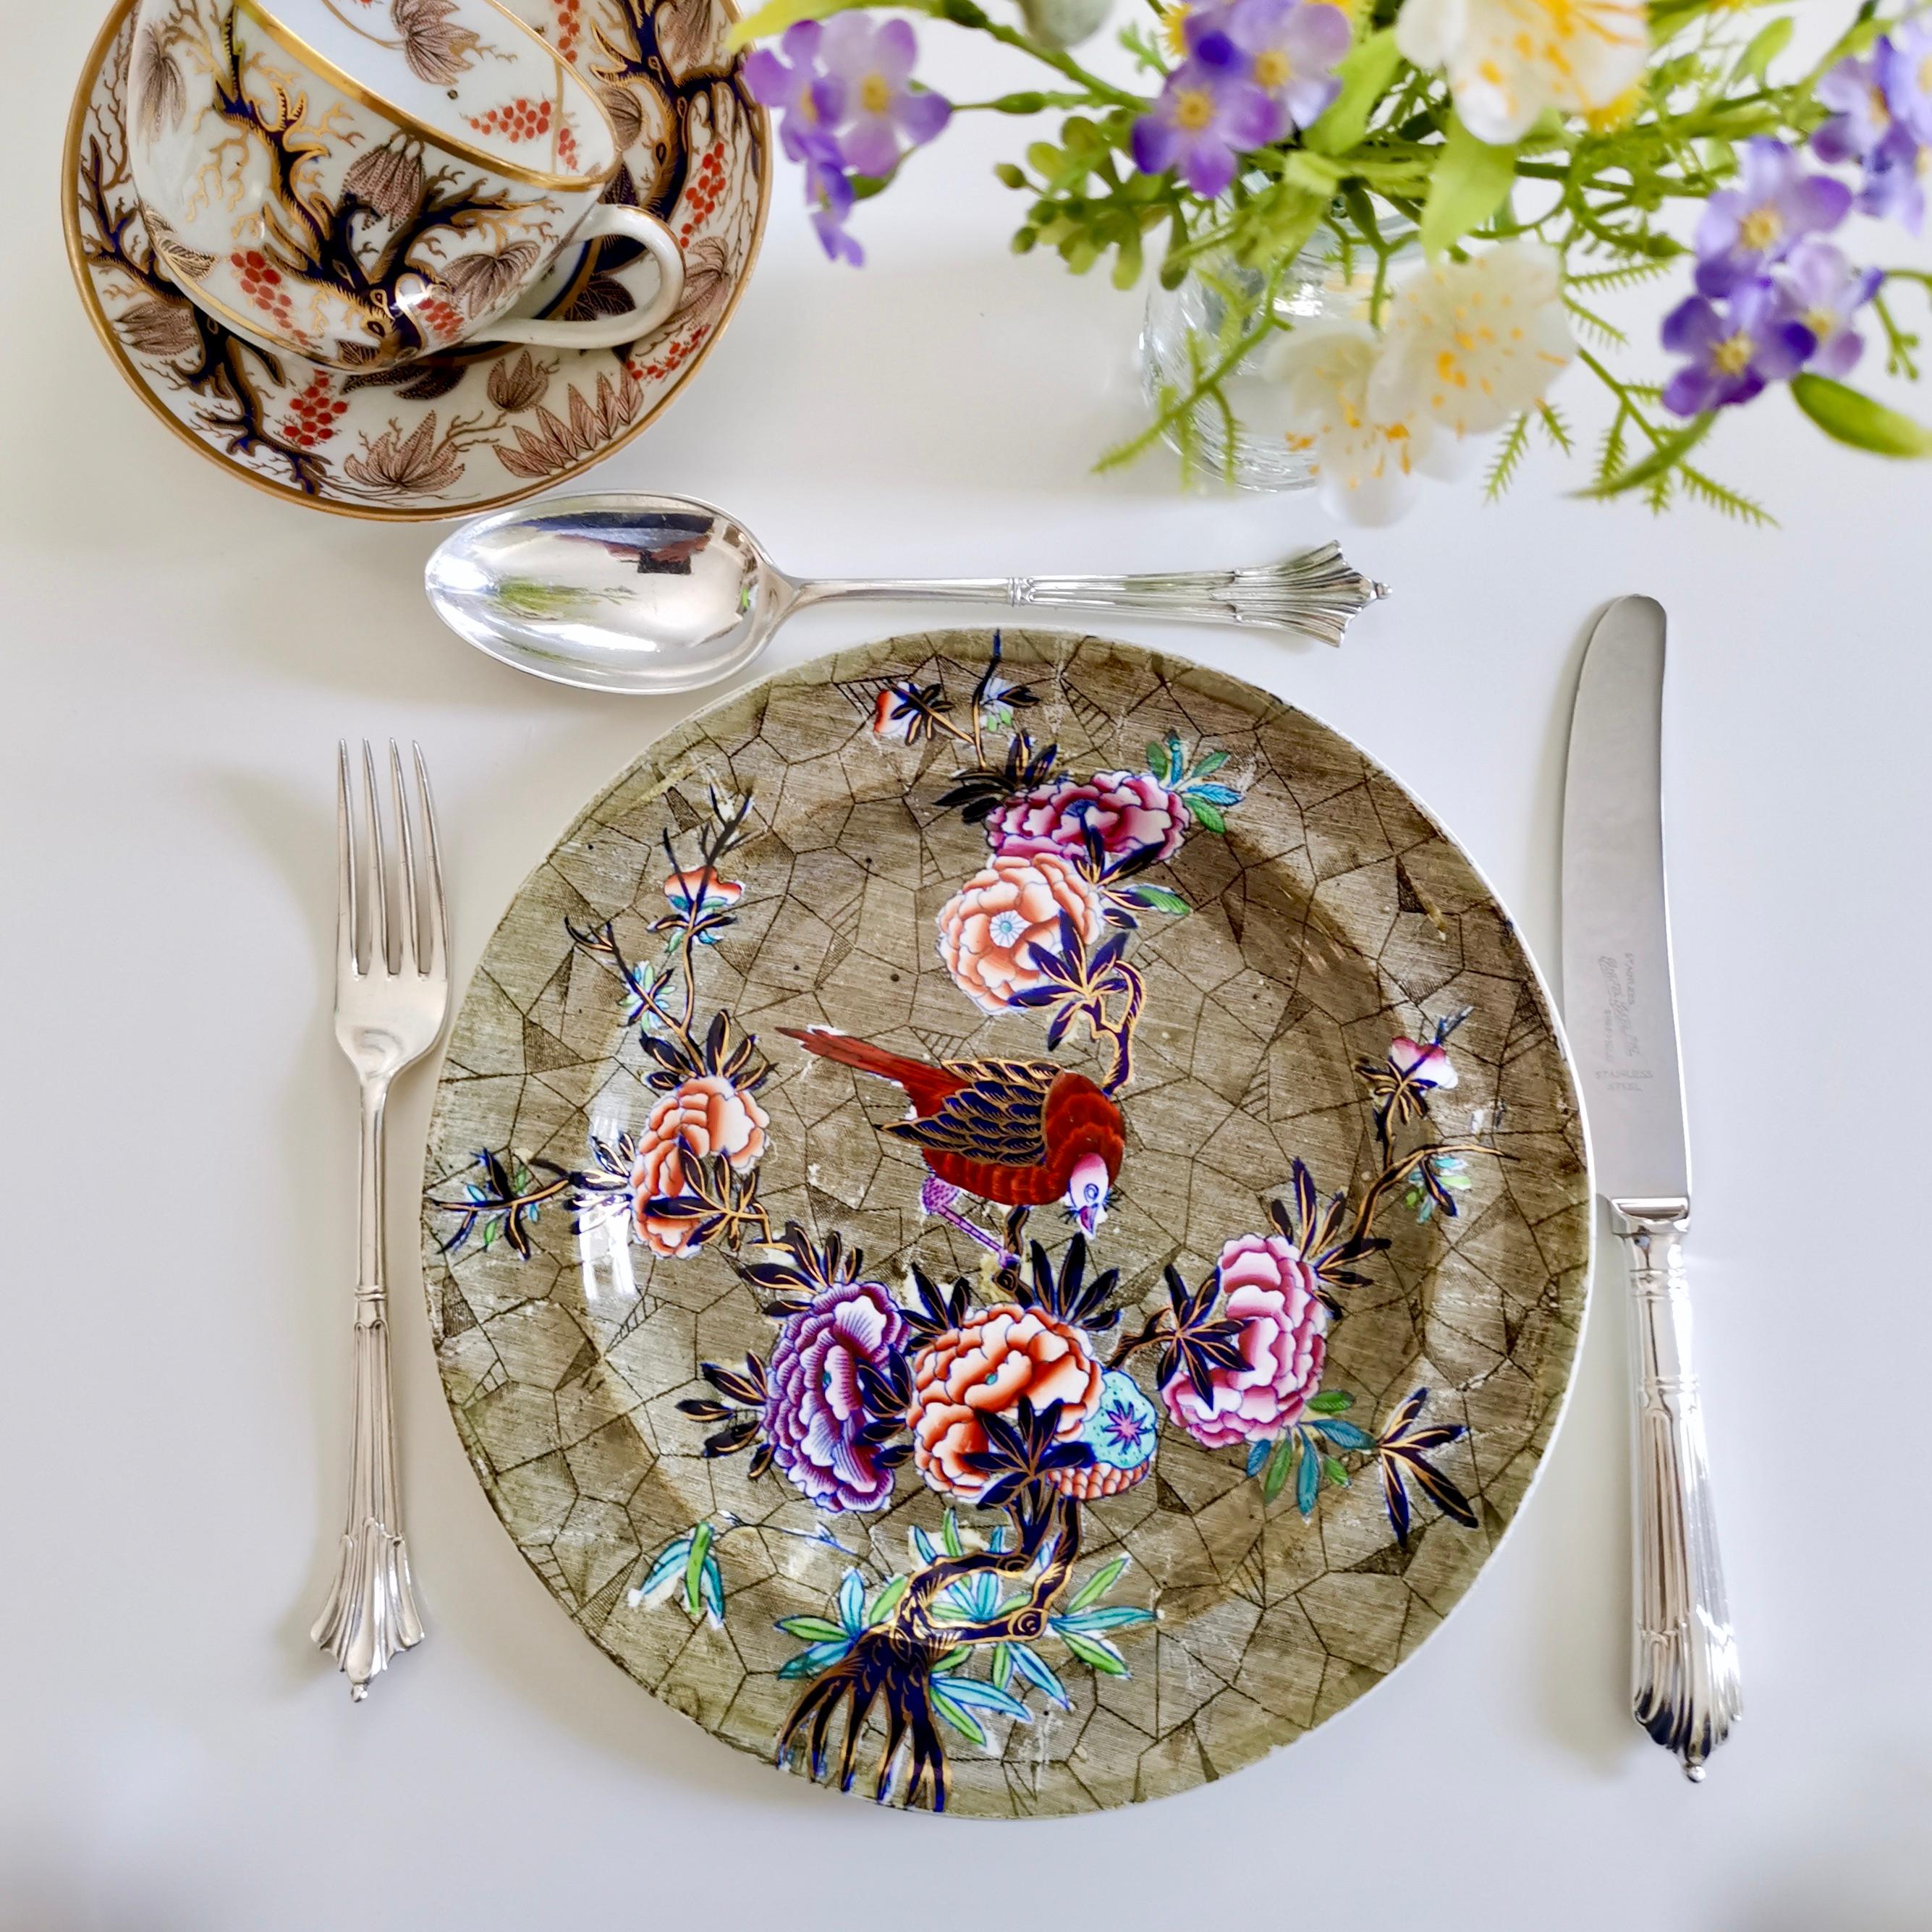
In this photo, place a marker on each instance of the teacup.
(363, 182)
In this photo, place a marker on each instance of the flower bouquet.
(1464, 184)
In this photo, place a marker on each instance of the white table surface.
(181, 655)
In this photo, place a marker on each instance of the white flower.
(1367, 466)
(1468, 345)
(1508, 60)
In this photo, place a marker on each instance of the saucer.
(475, 426)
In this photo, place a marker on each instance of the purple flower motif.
(1745, 229)
(1826, 292)
(1210, 111)
(1734, 351)
(791, 81)
(871, 66)
(1292, 46)
(814, 1415)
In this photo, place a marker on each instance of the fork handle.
(1685, 1692)
(371, 1611)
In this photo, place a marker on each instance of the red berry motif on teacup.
(703, 192)
(436, 315)
(569, 24)
(313, 412)
(566, 144)
(518, 120)
(261, 284)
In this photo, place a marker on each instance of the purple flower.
(1292, 46)
(828, 193)
(1860, 119)
(1736, 350)
(1826, 292)
(871, 66)
(809, 100)
(814, 1414)
(1210, 111)
(1745, 229)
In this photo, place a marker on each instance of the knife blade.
(1619, 1002)
(1621, 1009)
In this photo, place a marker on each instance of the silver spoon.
(641, 594)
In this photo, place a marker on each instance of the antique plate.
(1057, 1555)
(473, 427)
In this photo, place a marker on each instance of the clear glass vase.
(1191, 328)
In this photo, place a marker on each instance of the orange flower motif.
(989, 928)
(983, 1367)
(702, 886)
(711, 1117)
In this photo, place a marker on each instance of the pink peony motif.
(814, 1414)
(1429, 1066)
(1269, 1290)
(711, 1116)
(989, 928)
(1131, 811)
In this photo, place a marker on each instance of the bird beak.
(1089, 1217)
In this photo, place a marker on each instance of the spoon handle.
(1316, 592)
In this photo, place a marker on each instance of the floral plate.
(471, 427)
(1006, 1222)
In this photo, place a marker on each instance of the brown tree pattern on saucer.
(473, 426)
(1027, 1499)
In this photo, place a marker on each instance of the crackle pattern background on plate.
(1333, 915)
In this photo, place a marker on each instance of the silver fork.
(389, 1012)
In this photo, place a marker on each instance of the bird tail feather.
(926, 1084)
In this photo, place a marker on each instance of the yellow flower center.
(1925, 75)
(1821, 321)
(1193, 110)
(875, 93)
(1881, 108)
(1760, 228)
(1174, 27)
(1732, 356)
(1273, 68)
(1616, 113)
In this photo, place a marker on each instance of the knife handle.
(1686, 1692)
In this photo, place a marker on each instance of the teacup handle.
(605, 332)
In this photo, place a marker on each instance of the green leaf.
(1212, 763)
(885, 1599)
(1205, 814)
(1162, 900)
(1659, 462)
(1468, 186)
(1334, 1471)
(1764, 47)
(1274, 1478)
(1002, 1672)
(1852, 417)
(1095, 1653)
(1365, 72)
(693, 1567)
(1156, 758)
(1331, 1402)
(777, 15)
(962, 1720)
(949, 1535)
(1097, 1586)
(812, 1630)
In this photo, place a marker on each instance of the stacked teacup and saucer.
(410, 258)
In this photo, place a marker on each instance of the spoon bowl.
(646, 594)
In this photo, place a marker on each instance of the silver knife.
(1621, 1014)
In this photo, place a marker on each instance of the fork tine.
(406, 851)
(438, 963)
(346, 966)
(378, 866)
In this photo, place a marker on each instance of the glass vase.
(1191, 328)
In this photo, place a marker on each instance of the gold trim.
(137, 380)
(292, 44)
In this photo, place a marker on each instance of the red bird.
(1017, 1132)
